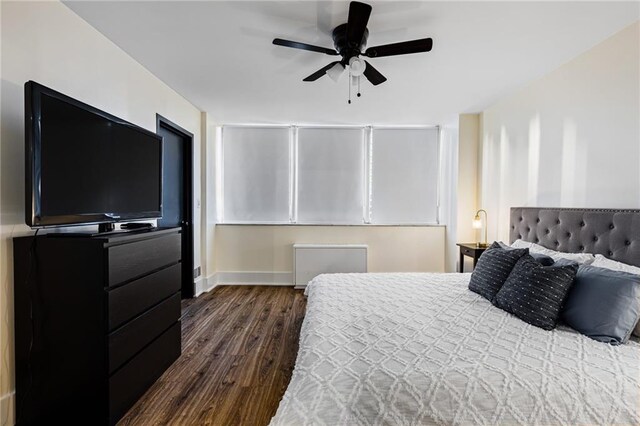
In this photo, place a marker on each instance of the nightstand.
(473, 250)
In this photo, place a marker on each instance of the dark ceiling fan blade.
(356, 25)
(373, 75)
(402, 48)
(304, 46)
(322, 71)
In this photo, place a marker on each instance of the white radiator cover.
(310, 260)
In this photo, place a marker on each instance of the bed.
(417, 348)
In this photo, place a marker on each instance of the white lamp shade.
(335, 72)
(477, 223)
(356, 66)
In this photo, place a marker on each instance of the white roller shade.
(330, 175)
(256, 176)
(404, 183)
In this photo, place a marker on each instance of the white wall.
(265, 249)
(467, 183)
(448, 195)
(570, 139)
(210, 134)
(48, 43)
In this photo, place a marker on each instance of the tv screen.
(86, 166)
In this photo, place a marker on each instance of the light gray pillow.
(603, 262)
(543, 259)
(581, 258)
(603, 304)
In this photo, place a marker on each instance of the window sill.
(364, 225)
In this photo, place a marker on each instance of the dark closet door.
(177, 192)
(173, 207)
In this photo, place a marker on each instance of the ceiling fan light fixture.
(350, 40)
(356, 66)
(335, 72)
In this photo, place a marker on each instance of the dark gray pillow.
(603, 304)
(565, 262)
(542, 258)
(535, 293)
(492, 270)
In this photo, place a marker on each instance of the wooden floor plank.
(239, 345)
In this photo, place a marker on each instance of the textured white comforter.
(409, 349)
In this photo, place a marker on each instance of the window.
(256, 173)
(404, 176)
(329, 175)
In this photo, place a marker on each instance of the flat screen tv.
(85, 166)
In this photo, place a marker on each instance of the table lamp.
(477, 224)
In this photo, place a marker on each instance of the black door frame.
(188, 284)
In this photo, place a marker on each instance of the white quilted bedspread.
(410, 349)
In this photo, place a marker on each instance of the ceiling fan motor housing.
(342, 46)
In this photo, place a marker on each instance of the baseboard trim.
(211, 283)
(277, 278)
(204, 285)
(8, 409)
(199, 285)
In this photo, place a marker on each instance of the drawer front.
(128, 340)
(136, 376)
(137, 296)
(128, 261)
(467, 251)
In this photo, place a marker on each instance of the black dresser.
(97, 321)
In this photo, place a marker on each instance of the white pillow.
(583, 258)
(603, 262)
(521, 244)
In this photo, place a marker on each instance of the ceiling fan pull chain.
(349, 101)
(358, 86)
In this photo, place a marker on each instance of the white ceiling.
(219, 55)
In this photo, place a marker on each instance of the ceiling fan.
(350, 40)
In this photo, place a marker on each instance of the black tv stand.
(106, 227)
(97, 321)
(99, 234)
(132, 226)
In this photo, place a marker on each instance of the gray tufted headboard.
(612, 233)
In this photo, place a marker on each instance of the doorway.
(177, 192)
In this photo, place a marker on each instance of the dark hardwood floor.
(239, 345)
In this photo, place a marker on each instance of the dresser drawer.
(135, 335)
(135, 377)
(132, 260)
(131, 299)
